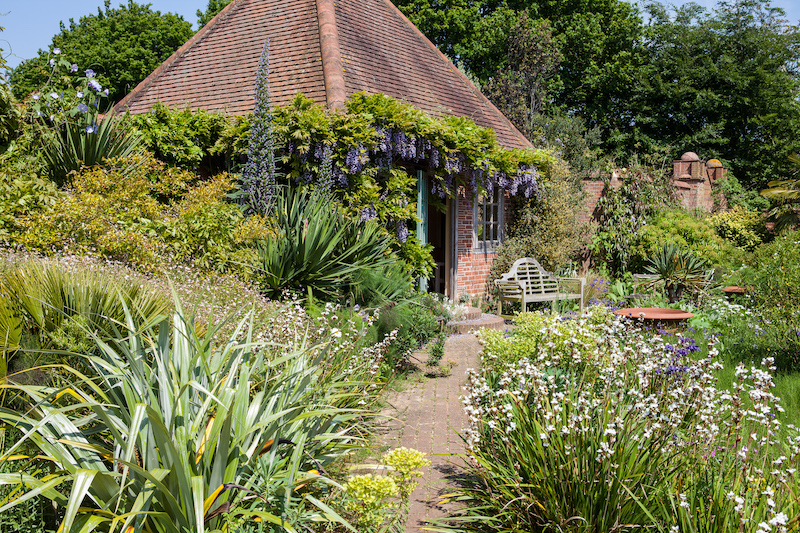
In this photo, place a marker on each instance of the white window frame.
(495, 200)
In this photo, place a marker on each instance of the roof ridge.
(523, 140)
(198, 36)
(332, 68)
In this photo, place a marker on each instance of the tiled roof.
(379, 49)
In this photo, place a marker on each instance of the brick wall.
(593, 190)
(696, 185)
(473, 265)
(698, 189)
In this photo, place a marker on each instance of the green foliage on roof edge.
(302, 126)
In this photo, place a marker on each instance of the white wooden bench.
(528, 282)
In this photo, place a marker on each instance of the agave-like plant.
(678, 270)
(88, 143)
(176, 433)
(318, 247)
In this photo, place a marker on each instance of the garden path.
(428, 416)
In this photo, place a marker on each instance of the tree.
(600, 41)
(122, 45)
(522, 89)
(214, 7)
(723, 85)
(523, 92)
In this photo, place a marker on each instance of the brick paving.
(428, 416)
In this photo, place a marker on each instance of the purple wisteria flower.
(353, 159)
(368, 213)
(402, 231)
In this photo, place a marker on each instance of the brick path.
(427, 416)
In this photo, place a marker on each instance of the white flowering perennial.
(575, 405)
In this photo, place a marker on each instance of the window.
(488, 220)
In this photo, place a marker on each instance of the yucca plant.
(319, 248)
(678, 270)
(176, 433)
(87, 143)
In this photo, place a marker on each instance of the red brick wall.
(473, 265)
(593, 190)
(697, 186)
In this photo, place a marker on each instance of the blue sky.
(30, 24)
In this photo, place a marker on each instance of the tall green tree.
(121, 45)
(600, 43)
(213, 7)
(723, 85)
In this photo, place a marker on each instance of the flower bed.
(595, 424)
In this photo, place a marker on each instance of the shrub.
(688, 232)
(379, 502)
(416, 318)
(195, 432)
(546, 226)
(742, 228)
(22, 193)
(139, 211)
(181, 137)
(776, 273)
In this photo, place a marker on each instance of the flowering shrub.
(137, 210)
(595, 422)
(376, 502)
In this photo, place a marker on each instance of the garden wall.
(696, 182)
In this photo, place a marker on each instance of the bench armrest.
(509, 285)
(578, 283)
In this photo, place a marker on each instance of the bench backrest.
(535, 278)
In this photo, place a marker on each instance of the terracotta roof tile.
(381, 51)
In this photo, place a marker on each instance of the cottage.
(328, 51)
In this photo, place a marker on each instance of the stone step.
(473, 313)
(475, 321)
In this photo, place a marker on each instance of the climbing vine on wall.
(373, 149)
